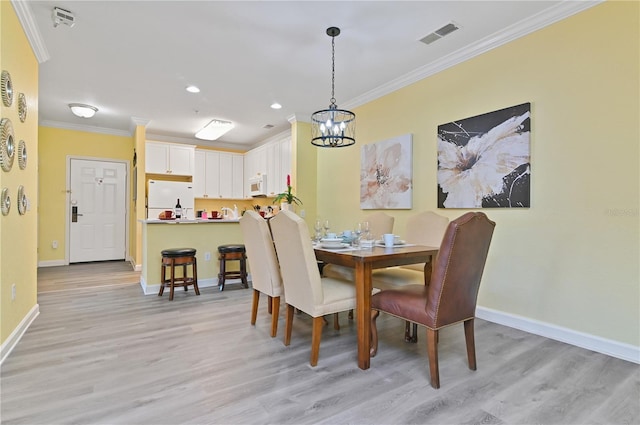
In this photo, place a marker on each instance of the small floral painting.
(485, 161)
(386, 174)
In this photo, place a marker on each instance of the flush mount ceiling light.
(333, 127)
(192, 89)
(214, 130)
(276, 105)
(83, 111)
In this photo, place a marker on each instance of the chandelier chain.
(333, 70)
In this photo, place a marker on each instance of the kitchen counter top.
(187, 221)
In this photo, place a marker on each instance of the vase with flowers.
(287, 198)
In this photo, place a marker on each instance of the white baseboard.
(51, 263)
(609, 347)
(11, 342)
(202, 283)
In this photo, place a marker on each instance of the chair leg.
(336, 322)
(350, 314)
(316, 335)
(243, 272)
(195, 276)
(275, 313)
(184, 277)
(254, 306)
(374, 333)
(288, 325)
(162, 279)
(471, 344)
(408, 337)
(269, 304)
(432, 350)
(173, 280)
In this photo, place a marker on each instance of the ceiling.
(133, 59)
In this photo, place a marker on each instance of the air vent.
(267, 126)
(439, 33)
(61, 16)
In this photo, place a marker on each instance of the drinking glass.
(366, 231)
(318, 228)
(326, 227)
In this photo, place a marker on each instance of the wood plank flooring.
(101, 352)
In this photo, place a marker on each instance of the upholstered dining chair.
(451, 295)
(425, 228)
(263, 263)
(305, 289)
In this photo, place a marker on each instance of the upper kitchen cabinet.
(218, 174)
(272, 159)
(206, 178)
(169, 158)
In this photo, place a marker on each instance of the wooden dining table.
(364, 261)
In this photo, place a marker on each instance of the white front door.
(97, 210)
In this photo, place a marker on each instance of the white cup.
(331, 235)
(388, 239)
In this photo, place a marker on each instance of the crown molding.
(87, 128)
(30, 28)
(546, 17)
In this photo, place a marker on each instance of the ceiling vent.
(61, 16)
(439, 33)
(267, 126)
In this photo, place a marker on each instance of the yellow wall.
(571, 260)
(18, 234)
(55, 145)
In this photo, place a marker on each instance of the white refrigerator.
(163, 195)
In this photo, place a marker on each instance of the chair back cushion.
(425, 228)
(379, 224)
(261, 254)
(457, 271)
(298, 265)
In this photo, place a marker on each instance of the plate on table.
(333, 245)
(215, 218)
(399, 242)
(166, 219)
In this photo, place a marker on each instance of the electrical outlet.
(54, 244)
(13, 292)
(207, 256)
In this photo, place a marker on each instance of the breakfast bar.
(203, 235)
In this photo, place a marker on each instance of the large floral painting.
(485, 161)
(386, 174)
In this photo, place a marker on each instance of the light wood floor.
(104, 353)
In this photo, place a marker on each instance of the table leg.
(363, 313)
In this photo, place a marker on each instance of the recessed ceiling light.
(193, 89)
(276, 105)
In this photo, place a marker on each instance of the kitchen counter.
(188, 221)
(202, 235)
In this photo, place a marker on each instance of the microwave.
(258, 185)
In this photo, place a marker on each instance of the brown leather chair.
(451, 295)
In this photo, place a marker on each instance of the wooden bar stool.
(232, 252)
(172, 258)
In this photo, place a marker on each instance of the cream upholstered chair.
(379, 224)
(265, 271)
(305, 289)
(450, 298)
(425, 228)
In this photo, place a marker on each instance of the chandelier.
(333, 127)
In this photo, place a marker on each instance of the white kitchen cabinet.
(168, 158)
(272, 159)
(206, 179)
(218, 175)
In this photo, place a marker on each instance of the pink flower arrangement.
(287, 196)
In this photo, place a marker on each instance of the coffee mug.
(388, 239)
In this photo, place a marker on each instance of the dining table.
(364, 261)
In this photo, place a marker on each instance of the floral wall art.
(484, 161)
(386, 174)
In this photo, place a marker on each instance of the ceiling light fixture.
(333, 127)
(192, 89)
(83, 111)
(276, 105)
(214, 130)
